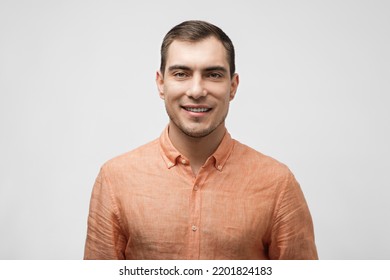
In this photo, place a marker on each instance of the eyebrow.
(216, 68)
(178, 67)
(207, 69)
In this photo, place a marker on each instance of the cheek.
(218, 89)
(175, 88)
(222, 94)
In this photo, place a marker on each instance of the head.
(197, 78)
(195, 31)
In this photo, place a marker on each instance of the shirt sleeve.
(105, 238)
(292, 235)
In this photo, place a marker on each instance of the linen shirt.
(147, 204)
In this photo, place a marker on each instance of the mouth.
(196, 109)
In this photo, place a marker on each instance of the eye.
(180, 75)
(215, 75)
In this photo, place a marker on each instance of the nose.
(196, 89)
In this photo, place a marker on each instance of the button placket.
(194, 226)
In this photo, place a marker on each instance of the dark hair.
(194, 31)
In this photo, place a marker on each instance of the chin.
(198, 132)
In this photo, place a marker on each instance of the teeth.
(197, 110)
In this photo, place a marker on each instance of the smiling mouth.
(197, 110)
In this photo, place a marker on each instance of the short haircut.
(195, 31)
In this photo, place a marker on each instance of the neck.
(196, 150)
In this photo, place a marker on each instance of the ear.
(160, 84)
(234, 85)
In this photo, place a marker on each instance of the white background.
(77, 88)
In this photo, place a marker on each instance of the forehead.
(209, 51)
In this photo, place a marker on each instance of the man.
(196, 193)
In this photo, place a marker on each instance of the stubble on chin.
(193, 132)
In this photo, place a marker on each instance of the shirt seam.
(112, 198)
(278, 204)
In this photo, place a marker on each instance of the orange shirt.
(147, 204)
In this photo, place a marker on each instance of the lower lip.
(196, 114)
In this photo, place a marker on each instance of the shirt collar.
(170, 154)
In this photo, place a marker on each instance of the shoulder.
(131, 159)
(264, 172)
(259, 162)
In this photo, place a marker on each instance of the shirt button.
(196, 188)
(194, 228)
(183, 161)
(219, 167)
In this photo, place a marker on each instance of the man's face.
(196, 86)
